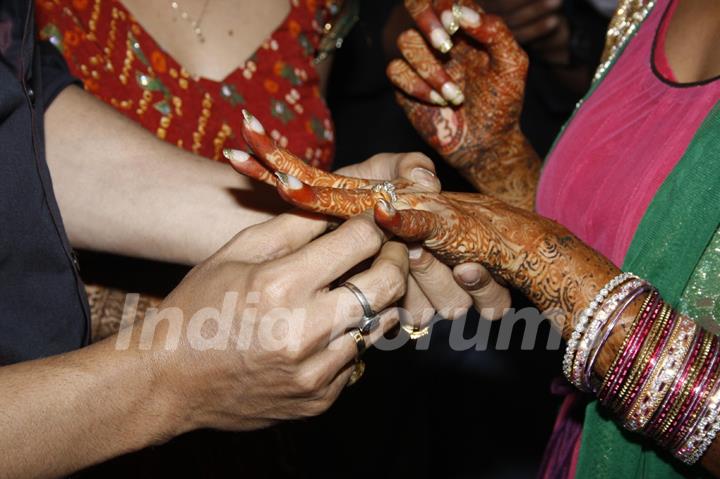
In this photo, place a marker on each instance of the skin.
(232, 32)
(539, 257)
(490, 68)
(339, 195)
(102, 401)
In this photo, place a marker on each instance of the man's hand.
(255, 335)
(431, 287)
(288, 354)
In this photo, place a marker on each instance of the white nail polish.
(237, 156)
(437, 99)
(448, 20)
(282, 178)
(441, 40)
(253, 123)
(452, 93)
(468, 17)
(414, 252)
(293, 183)
(423, 177)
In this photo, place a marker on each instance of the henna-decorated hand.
(433, 284)
(469, 108)
(539, 257)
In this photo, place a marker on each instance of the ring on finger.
(359, 339)
(414, 332)
(370, 319)
(357, 372)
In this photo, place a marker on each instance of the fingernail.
(253, 122)
(448, 20)
(437, 99)
(469, 276)
(441, 40)
(415, 251)
(282, 178)
(467, 17)
(386, 207)
(423, 177)
(237, 156)
(452, 93)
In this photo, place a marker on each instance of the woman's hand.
(468, 108)
(433, 285)
(539, 257)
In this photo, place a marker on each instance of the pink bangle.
(627, 355)
(626, 406)
(611, 323)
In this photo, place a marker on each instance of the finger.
(325, 200)
(413, 167)
(417, 310)
(490, 299)
(279, 159)
(423, 61)
(438, 284)
(384, 283)
(274, 238)
(327, 258)
(246, 165)
(407, 80)
(333, 357)
(531, 13)
(410, 225)
(506, 55)
(429, 24)
(538, 29)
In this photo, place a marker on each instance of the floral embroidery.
(122, 65)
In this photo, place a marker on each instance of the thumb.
(489, 297)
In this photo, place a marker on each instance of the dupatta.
(677, 248)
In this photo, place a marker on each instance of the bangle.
(580, 370)
(633, 340)
(669, 426)
(584, 319)
(663, 375)
(594, 381)
(698, 404)
(704, 432)
(644, 362)
(666, 407)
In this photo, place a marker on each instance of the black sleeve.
(55, 74)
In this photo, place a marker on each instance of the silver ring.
(370, 319)
(387, 188)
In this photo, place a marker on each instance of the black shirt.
(43, 309)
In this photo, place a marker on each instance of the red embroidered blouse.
(123, 66)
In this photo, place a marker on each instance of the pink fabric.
(621, 146)
(661, 62)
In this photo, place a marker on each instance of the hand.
(432, 285)
(272, 367)
(484, 80)
(529, 20)
(539, 257)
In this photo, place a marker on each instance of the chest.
(210, 37)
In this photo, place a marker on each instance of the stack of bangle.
(665, 380)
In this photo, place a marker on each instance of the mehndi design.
(539, 257)
(469, 109)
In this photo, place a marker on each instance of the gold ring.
(357, 336)
(357, 372)
(414, 332)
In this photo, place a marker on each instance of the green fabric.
(666, 249)
(671, 248)
(701, 299)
